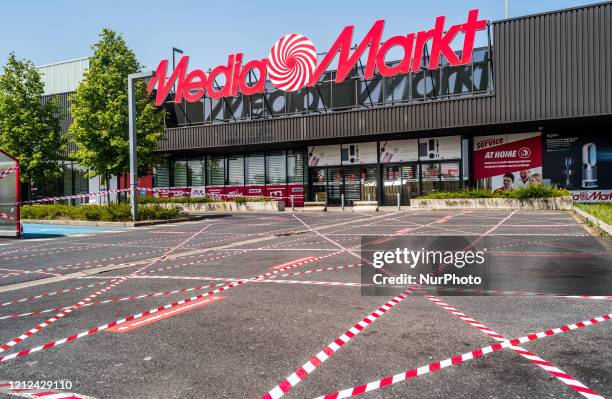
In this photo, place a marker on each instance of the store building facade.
(534, 103)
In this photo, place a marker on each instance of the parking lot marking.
(103, 327)
(164, 314)
(301, 373)
(47, 294)
(550, 368)
(89, 298)
(291, 262)
(112, 300)
(438, 365)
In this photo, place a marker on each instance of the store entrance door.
(402, 180)
(356, 183)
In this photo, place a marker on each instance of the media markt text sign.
(292, 62)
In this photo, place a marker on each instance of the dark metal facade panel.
(545, 67)
(63, 100)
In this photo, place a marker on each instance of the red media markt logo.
(524, 152)
(291, 62)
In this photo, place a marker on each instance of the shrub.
(536, 191)
(107, 213)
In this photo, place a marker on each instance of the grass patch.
(602, 211)
(104, 213)
(539, 191)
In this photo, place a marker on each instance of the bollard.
(369, 197)
(316, 197)
(398, 201)
(342, 200)
(292, 203)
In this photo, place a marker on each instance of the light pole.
(174, 51)
(132, 78)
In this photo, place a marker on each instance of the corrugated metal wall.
(64, 105)
(547, 66)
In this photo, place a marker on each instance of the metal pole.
(506, 9)
(369, 197)
(342, 200)
(292, 203)
(316, 197)
(398, 201)
(132, 132)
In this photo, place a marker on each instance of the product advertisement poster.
(505, 162)
(324, 155)
(440, 148)
(399, 151)
(578, 162)
(358, 153)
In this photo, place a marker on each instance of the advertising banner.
(399, 151)
(324, 155)
(440, 148)
(506, 162)
(358, 153)
(578, 162)
(592, 195)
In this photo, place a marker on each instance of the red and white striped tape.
(47, 294)
(147, 189)
(103, 327)
(8, 171)
(512, 293)
(112, 300)
(58, 316)
(7, 217)
(74, 307)
(435, 366)
(301, 373)
(550, 368)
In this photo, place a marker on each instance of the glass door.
(368, 183)
(392, 184)
(334, 185)
(318, 184)
(352, 183)
(410, 183)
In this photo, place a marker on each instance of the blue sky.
(51, 31)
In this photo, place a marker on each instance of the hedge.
(537, 191)
(106, 213)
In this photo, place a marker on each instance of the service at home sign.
(292, 62)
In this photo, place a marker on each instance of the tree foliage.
(99, 110)
(29, 126)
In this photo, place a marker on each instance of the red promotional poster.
(506, 162)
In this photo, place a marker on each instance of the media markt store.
(384, 171)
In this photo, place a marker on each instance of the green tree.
(99, 110)
(29, 126)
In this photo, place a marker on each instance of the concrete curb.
(95, 223)
(228, 206)
(553, 203)
(598, 223)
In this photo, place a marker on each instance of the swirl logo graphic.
(291, 62)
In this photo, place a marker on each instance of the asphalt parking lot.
(252, 305)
